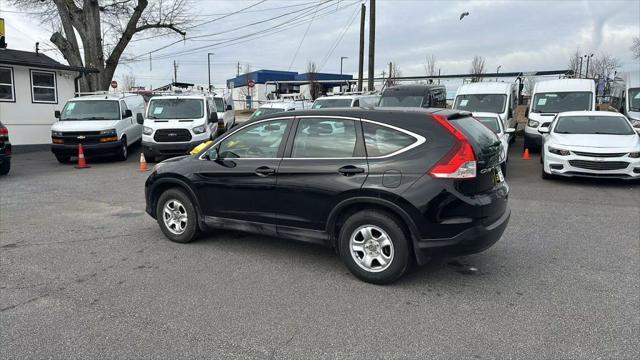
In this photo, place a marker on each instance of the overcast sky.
(519, 35)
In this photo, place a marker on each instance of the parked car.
(5, 150)
(591, 144)
(224, 108)
(175, 124)
(495, 123)
(277, 106)
(552, 97)
(425, 96)
(337, 101)
(390, 187)
(489, 97)
(104, 124)
(631, 97)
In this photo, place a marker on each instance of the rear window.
(265, 111)
(490, 122)
(381, 140)
(481, 135)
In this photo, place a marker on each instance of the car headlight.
(111, 132)
(147, 130)
(57, 134)
(199, 129)
(559, 151)
(533, 123)
(634, 155)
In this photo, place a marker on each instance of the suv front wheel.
(176, 216)
(374, 247)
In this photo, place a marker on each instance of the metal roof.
(40, 60)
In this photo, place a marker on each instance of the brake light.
(4, 131)
(460, 162)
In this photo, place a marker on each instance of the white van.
(631, 97)
(277, 106)
(226, 114)
(105, 124)
(493, 97)
(175, 124)
(551, 97)
(338, 101)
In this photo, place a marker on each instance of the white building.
(32, 87)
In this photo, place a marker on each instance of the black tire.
(191, 230)
(123, 152)
(5, 167)
(391, 226)
(512, 139)
(149, 157)
(63, 159)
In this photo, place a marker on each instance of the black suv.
(384, 187)
(5, 150)
(418, 95)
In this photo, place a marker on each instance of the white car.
(494, 122)
(590, 144)
(338, 101)
(105, 124)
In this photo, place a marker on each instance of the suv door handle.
(265, 171)
(350, 170)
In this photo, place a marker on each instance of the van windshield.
(331, 103)
(493, 103)
(175, 109)
(555, 102)
(219, 104)
(91, 110)
(634, 99)
(399, 100)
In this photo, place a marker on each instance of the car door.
(239, 183)
(127, 123)
(324, 163)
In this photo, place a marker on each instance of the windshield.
(91, 110)
(176, 109)
(265, 111)
(555, 102)
(481, 102)
(331, 103)
(601, 125)
(634, 99)
(490, 122)
(398, 100)
(219, 104)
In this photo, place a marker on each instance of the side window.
(261, 140)
(356, 103)
(324, 138)
(43, 87)
(381, 140)
(6, 84)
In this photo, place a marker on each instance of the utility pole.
(372, 41)
(175, 72)
(580, 68)
(389, 79)
(238, 73)
(209, 68)
(363, 11)
(439, 75)
(586, 72)
(342, 59)
(497, 71)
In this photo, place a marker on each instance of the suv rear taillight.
(4, 133)
(460, 162)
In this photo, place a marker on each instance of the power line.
(339, 39)
(303, 37)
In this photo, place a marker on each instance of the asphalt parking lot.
(85, 273)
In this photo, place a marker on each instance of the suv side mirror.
(57, 114)
(127, 113)
(213, 117)
(229, 107)
(140, 118)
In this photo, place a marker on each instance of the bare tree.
(635, 48)
(128, 81)
(394, 75)
(529, 82)
(477, 68)
(314, 86)
(574, 63)
(603, 66)
(430, 66)
(95, 33)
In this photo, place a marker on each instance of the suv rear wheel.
(176, 216)
(374, 247)
(5, 167)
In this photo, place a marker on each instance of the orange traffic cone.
(82, 163)
(525, 155)
(143, 163)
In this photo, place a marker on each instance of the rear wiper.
(93, 118)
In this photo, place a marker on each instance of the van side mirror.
(229, 107)
(139, 118)
(510, 130)
(127, 113)
(526, 112)
(57, 114)
(213, 117)
(543, 130)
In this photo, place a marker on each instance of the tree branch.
(160, 26)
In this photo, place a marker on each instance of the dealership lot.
(85, 273)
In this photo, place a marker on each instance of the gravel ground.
(85, 273)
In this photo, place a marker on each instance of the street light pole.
(341, 59)
(209, 68)
(497, 71)
(587, 70)
(580, 67)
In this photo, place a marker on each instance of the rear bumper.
(169, 149)
(88, 149)
(5, 152)
(473, 240)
